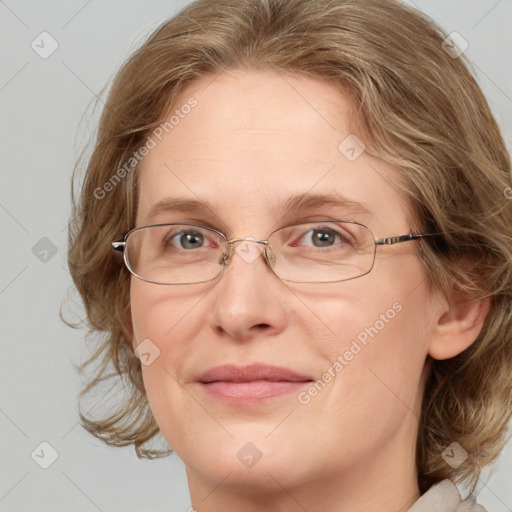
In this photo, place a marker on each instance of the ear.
(457, 324)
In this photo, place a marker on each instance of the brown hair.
(417, 107)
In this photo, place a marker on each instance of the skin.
(254, 139)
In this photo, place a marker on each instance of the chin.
(252, 459)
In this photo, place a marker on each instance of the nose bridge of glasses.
(247, 252)
(247, 239)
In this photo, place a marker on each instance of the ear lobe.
(457, 325)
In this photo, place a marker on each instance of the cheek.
(375, 355)
(165, 326)
(163, 314)
(380, 317)
(166, 322)
(376, 358)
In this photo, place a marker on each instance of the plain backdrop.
(43, 101)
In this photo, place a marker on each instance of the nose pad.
(224, 259)
(271, 257)
(248, 252)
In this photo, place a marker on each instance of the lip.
(252, 383)
(250, 373)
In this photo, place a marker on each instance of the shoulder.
(445, 497)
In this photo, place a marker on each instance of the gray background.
(43, 102)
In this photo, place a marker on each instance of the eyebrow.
(308, 201)
(293, 204)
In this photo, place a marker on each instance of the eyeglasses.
(325, 251)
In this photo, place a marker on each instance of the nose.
(249, 295)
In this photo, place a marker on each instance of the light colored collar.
(445, 497)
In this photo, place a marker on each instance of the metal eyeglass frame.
(120, 246)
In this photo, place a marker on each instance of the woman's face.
(253, 140)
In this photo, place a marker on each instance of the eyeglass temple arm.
(118, 246)
(402, 238)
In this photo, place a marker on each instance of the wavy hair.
(416, 106)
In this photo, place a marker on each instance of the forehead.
(253, 144)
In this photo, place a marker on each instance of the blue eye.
(189, 239)
(326, 237)
(183, 239)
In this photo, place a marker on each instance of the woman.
(314, 307)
